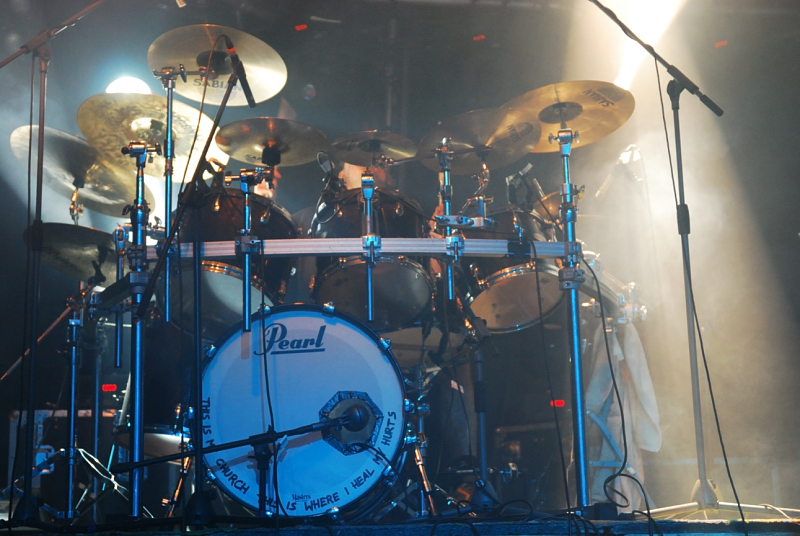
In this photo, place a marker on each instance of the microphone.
(628, 164)
(356, 417)
(237, 65)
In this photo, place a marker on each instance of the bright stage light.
(648, 20)
(128, 84)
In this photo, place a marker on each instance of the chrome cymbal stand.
(570, 277)
(248, 245)
(167, 75)
(445, 155)
(370, 240)
(138, 279)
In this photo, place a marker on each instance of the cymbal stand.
(138, 279)
(75, 209)
(167, 76)
(419, 441)
(445, 155)
(370, 240)
(570, 277)
(479, 201)
(249, 246)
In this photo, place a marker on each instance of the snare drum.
(503, 290)
(303, 364)
(402, 286)
(221, 279)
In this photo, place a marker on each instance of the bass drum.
(503, 290)
(303, 364)
(402, 287)
(221, 279)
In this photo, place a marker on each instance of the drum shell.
(503, 290)
(221, 219)
(403, 288)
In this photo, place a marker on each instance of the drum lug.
(329, 308)
(408, 406)
(389, 474)
(386, 344)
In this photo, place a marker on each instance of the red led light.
(557, 403)
(109, 387)
(721, 44)
(301, 27)
(478, 37)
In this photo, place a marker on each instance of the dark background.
(741, 172)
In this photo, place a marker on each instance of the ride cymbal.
(246, 140)
(594, 109)
(70, 162)
(71, 250)
(112, 120)
(192, 46)
(365, 148)
(495, 136)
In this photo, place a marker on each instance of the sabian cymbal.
(112, 120)
(192, 46)
(70, 162)
(245, 140)
(497, 137)
(363, 148)
(70, 249)
(594, 109)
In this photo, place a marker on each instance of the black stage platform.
(538, 528)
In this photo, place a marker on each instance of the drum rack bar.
(313, 247)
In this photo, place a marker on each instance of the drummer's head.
(352, 176)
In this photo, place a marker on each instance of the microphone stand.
(703, 495)
(27, 509)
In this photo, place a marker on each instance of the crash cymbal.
(70, 162)
(70, 249)
(498, 137)
(593, 109)
(112, 120)
(296, 142)
(364, 148)
(192, 46)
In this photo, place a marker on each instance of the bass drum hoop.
(368, 499)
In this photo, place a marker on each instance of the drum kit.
(303, 410)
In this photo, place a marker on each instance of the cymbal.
(361, 148)
(498, 137)
(192, 46)
(70, 162)
(111, 120)
(70, 249)
(548, 206)
(296, 142)
(594, 109)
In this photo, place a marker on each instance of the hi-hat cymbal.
(494, 136)
(112, 120)
(245, 140)
(363, 148)
(70, 162)
(192, 46)
(594, 109)
(71, 249)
